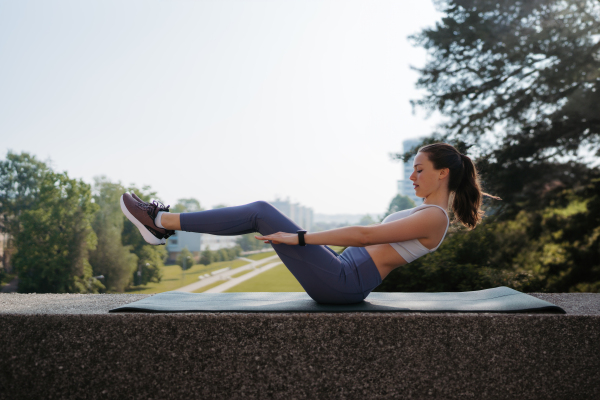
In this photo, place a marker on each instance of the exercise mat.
(497, 300)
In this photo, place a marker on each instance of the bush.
(227, 254)
(207, 257)
(185, 259)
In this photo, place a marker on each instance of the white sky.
(225, 101)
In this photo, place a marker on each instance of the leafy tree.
(55, 236)
(150, 262)
(21, 176)
(185, 259)
(518, 84)
(150, 259)
(525, 73)
(219, 206)
(207, 256)
(111, 258)
(399, 203)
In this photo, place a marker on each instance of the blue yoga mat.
(497, 300)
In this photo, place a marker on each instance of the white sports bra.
(412, 249)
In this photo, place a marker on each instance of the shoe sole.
(146, 234)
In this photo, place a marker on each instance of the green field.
(174, 278)
(260, 256)
(212, 285)
(241, 273)
(278, 279)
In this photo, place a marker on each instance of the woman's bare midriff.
(387, 259)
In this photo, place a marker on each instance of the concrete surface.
(69, 347)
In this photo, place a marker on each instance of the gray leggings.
(326, 277)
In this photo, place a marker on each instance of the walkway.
(226, 275)
(236, 281)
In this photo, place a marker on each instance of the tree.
(55, 236)
(207, 256)
(111, 258)
(399, 203)
(524, 72)
(185, 259)
(21, 176)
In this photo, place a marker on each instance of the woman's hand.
(280, 237)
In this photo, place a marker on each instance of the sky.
(226, 101)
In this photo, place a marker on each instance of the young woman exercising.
(373, 251)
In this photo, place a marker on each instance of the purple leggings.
(326, 276)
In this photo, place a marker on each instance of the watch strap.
(301, 241)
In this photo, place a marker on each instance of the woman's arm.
(418, 225)
(346, 236)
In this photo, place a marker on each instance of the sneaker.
(142, 215)
(163, 240)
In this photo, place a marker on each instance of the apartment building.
(301, 215)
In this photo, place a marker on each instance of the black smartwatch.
(301, 234)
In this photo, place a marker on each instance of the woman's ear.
(444, 173)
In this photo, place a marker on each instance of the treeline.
(185, 259)
(69, 237)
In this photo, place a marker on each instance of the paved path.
(227, 274)
(236, 281)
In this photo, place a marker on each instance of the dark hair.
(463, 182)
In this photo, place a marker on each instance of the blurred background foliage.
(518, 85)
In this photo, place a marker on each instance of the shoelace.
(161, 206)
(151, 207)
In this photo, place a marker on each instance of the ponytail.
(463, 182)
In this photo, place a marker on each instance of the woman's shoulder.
(433, 211)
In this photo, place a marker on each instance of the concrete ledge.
(68, 346)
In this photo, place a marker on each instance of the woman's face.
(426, 179)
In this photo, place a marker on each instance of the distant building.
(405, 185)
(301, 215)
(182, 239)
(215, 242)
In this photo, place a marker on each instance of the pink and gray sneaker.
(142, 215)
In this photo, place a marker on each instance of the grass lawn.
(278, 279)
(260, 256)
(212, 285)
(241, 273)
(174, 278)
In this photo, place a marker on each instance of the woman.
(373, 251)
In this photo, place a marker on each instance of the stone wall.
(69, 347)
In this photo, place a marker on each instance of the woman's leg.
(325, 277)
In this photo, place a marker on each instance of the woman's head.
(445, 168)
